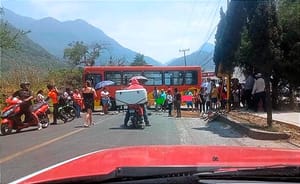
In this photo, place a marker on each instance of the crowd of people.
(212, 96)
(83, 100)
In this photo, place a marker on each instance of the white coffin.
(131, 96)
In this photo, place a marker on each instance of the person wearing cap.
(26, 96)
(258, 92)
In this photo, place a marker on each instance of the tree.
(265, 36)
(117, 61)
(228, 37)
(65, 78)
(78, 53)
(289, 67)
(219, 52)
(259, 48)
(138, 60)
(8, 37)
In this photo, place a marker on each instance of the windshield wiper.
(196, 174)
(265, 173)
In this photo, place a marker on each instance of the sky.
(155, 28)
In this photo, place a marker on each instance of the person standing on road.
(259, 92)
(207, 94)
(214, 97)
(53, 95)
(88, 94)
(39, 99)
(202, 100)
(163, 95)
(177, 102)
(189, 103)
(196, 100)
(77, 102)
(155, 97)
(248, 89)
(105, 100)
(170, 102)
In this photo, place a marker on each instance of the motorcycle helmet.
(24, 84)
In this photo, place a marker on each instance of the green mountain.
(54, 36)
(27, 55)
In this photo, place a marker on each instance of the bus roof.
(147, 67)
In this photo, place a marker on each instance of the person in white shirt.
(258, 92)
(105, 100)
(170, 102)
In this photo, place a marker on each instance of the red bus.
(181, 77)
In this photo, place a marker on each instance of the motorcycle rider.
(136, 85)
(26, 96)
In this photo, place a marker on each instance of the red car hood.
(105, 161)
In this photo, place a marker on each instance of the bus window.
(94, 78)
(125, 80)
(128, 74)
(114, 76)
(168, 78)
(174, 77)
(191, 77)
(154, 78)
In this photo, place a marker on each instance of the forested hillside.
(28, 54)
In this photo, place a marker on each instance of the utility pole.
(184, 50)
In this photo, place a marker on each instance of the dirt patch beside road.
(254, 121)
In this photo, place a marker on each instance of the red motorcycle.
(11, 116)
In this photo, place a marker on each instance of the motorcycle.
(136, 114)
(11, 116)
(66, 110)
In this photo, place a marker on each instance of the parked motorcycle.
(11, 116)
(67, 111)
(136, 114)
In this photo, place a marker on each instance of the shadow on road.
(220, 129)
(122, 127)
(22, 131)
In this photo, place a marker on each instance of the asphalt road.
(31, 150)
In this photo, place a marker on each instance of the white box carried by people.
(131, 96)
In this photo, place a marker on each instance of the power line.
(211, 30)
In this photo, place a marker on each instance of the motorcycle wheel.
(134, 121)
(69, 112)
(44, 121)
(5, 129)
